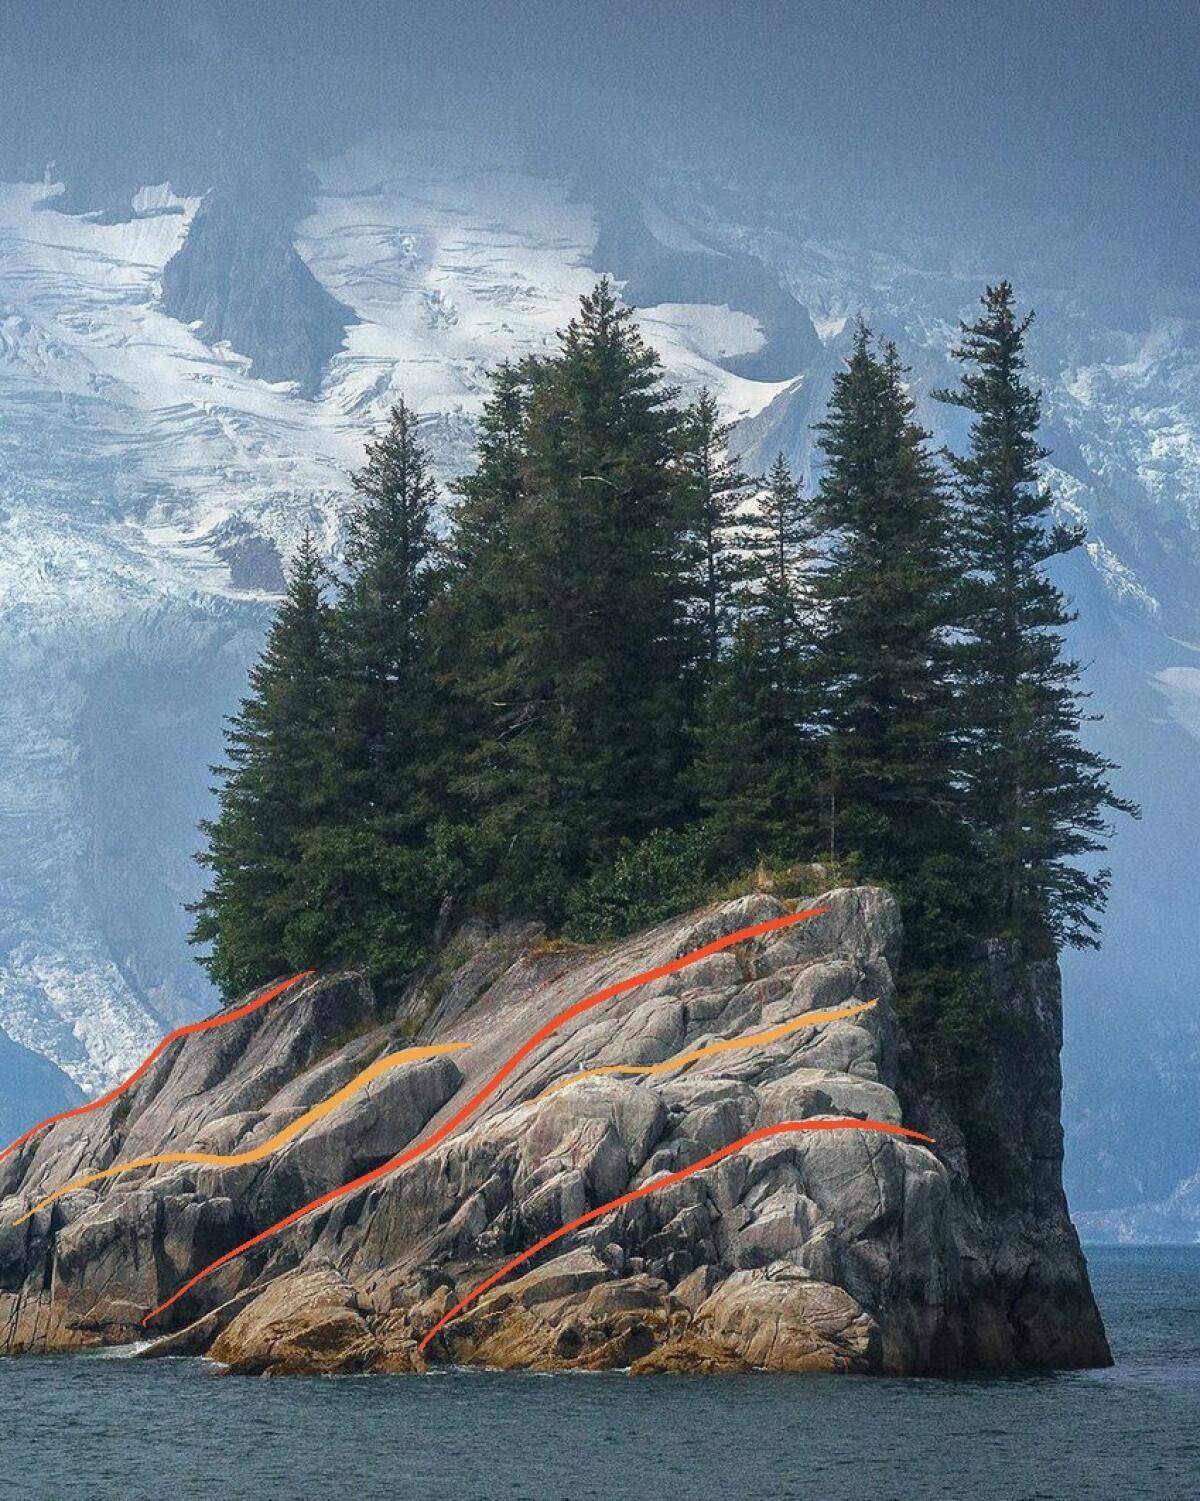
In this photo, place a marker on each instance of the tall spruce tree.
(387, 709)
(278, 786)
(486, 498)
(374, 876)
(755, 768)
(1036, 798)
(887, 591)
(781, 543)
(471, 619)
(584, 738)
(712, 488)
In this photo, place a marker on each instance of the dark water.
(98, 1426)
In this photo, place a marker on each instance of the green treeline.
(629, 672)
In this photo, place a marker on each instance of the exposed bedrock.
(844, 1250)
(239, 278)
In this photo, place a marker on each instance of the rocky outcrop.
(237, 278)
(835, 1251)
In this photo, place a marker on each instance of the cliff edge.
(843, 1250)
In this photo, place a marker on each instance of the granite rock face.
(832, 1251)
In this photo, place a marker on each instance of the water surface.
(98, 1427)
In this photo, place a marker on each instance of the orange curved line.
(257, 1154)
(201, 1026)
(726, 1045)
(648, 1188)
(410, 1154)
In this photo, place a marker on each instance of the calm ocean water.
(101, 1427)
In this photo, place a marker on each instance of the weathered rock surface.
(837, 1251)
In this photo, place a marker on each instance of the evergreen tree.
(487, 497)
(584, 740)
(1037, 798)
(277, 787)
(372, 879)
(471, 623)
(712, 488)
(755, 767)
(886, 587)
(387, 710)
(780, 544)
(750, 768)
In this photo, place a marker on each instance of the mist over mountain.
(228, 241)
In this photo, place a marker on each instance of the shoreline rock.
(835, 1252)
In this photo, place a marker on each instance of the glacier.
(156, 473)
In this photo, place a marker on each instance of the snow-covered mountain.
(151, 484)
(186, 381)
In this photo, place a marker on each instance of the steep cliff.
(846, 1250)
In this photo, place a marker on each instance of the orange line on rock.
(200, 1026)
(726, 1045)
(648, 1188)
(742, 935)
(264, 1150)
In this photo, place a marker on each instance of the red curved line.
(477, 1099)
(219, 1020)
(653, 1187)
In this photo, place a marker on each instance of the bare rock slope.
(838, 1251)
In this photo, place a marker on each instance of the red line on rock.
(221, 1020)
(742, 935)
(653, 1187)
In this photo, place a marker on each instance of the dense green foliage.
(756, 764)
(642, 884)
(574, 686)
(888, 597)
(711, 488)
(276, 789)
(629, 671)
(1036, 798)
(330, 842)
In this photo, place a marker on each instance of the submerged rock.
(832, 1251)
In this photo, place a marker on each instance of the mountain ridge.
(151, 486)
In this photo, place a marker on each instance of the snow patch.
(1181, 686)
(672, 233)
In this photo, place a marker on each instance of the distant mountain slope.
(31, 1087)
(152, 483)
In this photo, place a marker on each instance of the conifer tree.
(387, 699)
(886, 588)
(755, 768)
(471, 624)
(372, 879)
(584, 743)
(780, 542)
(1036, 798)
(277, 787)
(712, 488)
(487, 497)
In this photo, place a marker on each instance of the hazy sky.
(973, 108)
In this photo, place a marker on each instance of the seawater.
(95, 1426)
